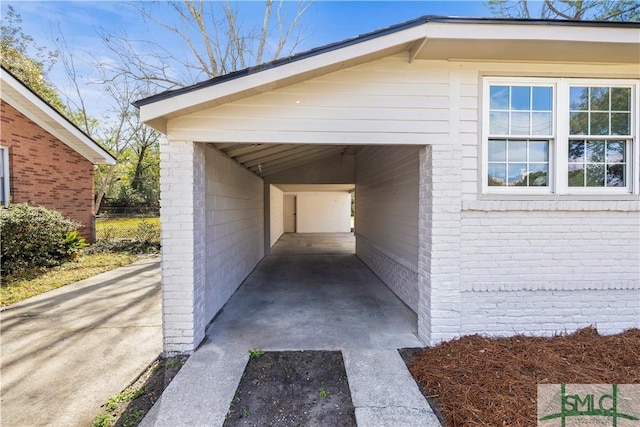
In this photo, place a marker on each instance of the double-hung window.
(600, 136)
(557, 135)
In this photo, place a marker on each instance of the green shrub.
(33, 236)
(147, 232)
(127, 246)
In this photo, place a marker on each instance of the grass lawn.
(122, 228)
(36, 281)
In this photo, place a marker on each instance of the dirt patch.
(128, 408)
(293, 388)
(476, 380)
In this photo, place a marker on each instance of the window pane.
(595, 175)
(497, 151)
(615, 176)
(517, 151)
(520, 98)
(499, 123)
(599, 124)
(538, 151)
(620, 124)
(539, 174)
(615, 152)
(542, 98)
(595, 151)
(576, 151)
(517, 174)
(579, 98)
(576, 175)
(497, 175)
(520, 123)
(579, 123)
(620, 99)
(599, 98)
(541, 124)
(499, 97)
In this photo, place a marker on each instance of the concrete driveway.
(311, 293)
(63, 353)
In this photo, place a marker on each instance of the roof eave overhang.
(453, 41)
(16, 94)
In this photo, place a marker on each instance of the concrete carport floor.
(311, 293)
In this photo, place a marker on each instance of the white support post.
(182, 213)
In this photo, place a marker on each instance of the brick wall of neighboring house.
(44, 171)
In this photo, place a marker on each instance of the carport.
(314, 293)
(355, 114)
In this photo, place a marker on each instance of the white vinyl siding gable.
(382, 102)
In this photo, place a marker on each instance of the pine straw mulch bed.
(476, 380)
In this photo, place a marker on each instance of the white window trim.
(4, 152)
(558, 143)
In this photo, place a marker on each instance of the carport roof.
(428, 37)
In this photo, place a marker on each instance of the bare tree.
(212, 40)
(576, 10)
(119, 129)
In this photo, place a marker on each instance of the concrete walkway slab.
(63, 353)
(303, 297)
(383, 391)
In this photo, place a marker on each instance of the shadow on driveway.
(68, 350)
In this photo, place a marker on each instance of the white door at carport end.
(289, 214)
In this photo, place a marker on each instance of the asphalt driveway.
(63, 353)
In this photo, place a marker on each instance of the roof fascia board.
(515, 32)
(175, 105)
(60, 128)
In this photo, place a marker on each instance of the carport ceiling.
(268, 159)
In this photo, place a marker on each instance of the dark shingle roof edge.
(369, 36)
(59, 113)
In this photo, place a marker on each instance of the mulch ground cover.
(293, 388)
(476, 380)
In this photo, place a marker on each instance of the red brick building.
(44, 159)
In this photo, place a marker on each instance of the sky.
(80, 23)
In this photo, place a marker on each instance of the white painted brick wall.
(387, 199)
(397, 274)
(386, 227)
(541, 312)
(550, 249)
(182, 224)
(439, 261)
(542, 267)
(234, 227)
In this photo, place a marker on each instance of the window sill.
(619, 203)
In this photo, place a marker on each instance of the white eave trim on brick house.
(20, 97)
(449, 39)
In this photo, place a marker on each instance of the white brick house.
(495, 162)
